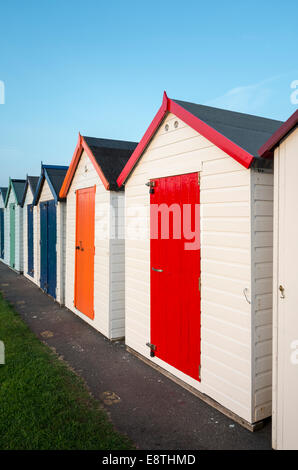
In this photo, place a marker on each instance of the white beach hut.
(283, 148)
(49, 231)
(29, 225)
(94, 287)
(13, 225)
(198, 299)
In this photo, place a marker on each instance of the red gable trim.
(168, 105)
(285, 128)
(143, 142)
(81, 145)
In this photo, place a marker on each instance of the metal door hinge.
(200, 285)
(199, 178)
(200, 371)
(152, 349)
(151, 185)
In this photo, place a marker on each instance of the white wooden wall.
(11, 200)
(19, 242)
(3, 207)
(262, 272)
(108, 259)
(61, 251)
(46, 195)
(285, 311)
(226, 331)
(117, 265)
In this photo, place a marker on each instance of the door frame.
(152, 346)
(46, 289)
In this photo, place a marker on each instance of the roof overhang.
(170, 106)
(10, 186)
(266, 151)
(44, 176)
(27, 185)
(80, 147)
(2, 195)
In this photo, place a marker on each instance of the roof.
(237, 134)
(31, 181)
(245, 130)
(108, 156)
(268, 147)
(54, 174)
(3, 192)
(18, 188)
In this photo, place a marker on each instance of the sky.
(100, 68)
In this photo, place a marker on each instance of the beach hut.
(282, 147)
(95, 239)
(13, 225)
(198, 254)
(28, 229)
(3, 192)
(49, 238)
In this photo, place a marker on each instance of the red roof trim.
(222, 142)
(266, 149)
(81, 145)
(168, 105)
(144, 141)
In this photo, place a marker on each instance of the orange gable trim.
(81, 145)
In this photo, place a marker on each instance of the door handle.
(77, 247)
(157, 270)
(282, 292)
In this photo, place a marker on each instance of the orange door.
(84, 251)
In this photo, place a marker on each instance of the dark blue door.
(2, 233)
(48, 255)
(30, 238)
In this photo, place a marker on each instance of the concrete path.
(149, 408)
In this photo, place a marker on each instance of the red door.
(175, 272)
(84, 251)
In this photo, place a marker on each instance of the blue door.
(30, 239)
(48, 255)
(2, 233)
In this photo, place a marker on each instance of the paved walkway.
(152, 410)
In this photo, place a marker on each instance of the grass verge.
(43, 404)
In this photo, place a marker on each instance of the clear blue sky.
(101, 67)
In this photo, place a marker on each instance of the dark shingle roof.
(282, 132)
(56, 176)
(3, 191)
(33, 180)
(19, 186)
(245, 130)
(111, 156)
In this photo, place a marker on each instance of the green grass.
(43, 404)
